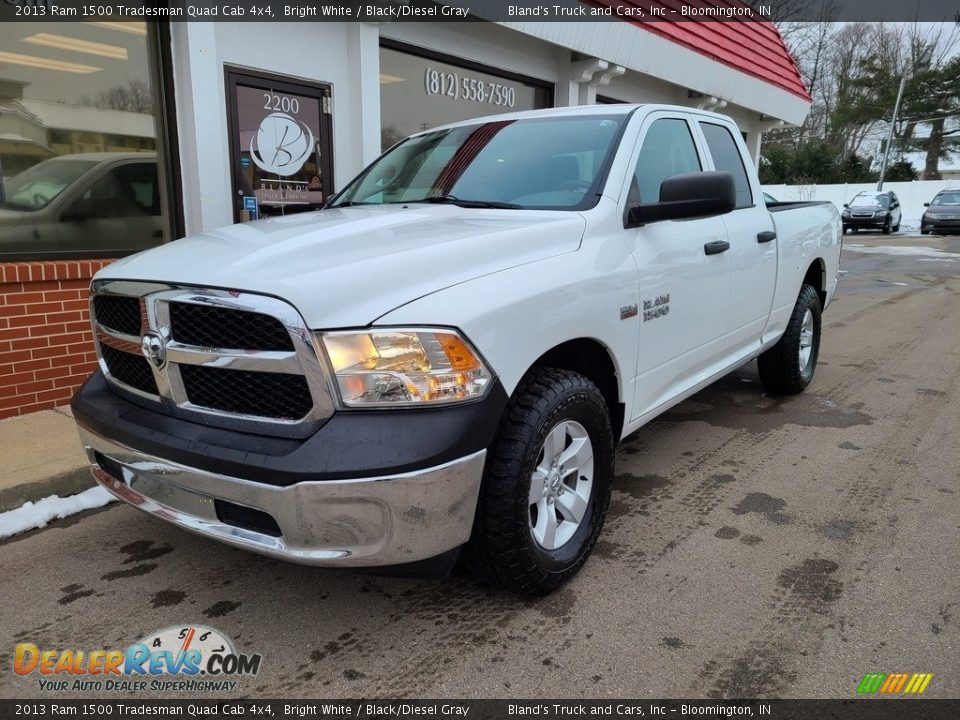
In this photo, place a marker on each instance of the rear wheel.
(788, 367)
(546, 486)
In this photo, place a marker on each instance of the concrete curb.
(64, 484)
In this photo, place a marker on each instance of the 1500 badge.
(657, 307)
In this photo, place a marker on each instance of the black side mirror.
(846, 204)
(688, 195)
(926, 204)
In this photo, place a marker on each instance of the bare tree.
(135, 96)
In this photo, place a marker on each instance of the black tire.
(924, 232)
(780, 368)
(896, 228)
(502, 549)
(886, 228)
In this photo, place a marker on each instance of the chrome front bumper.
(386, 520)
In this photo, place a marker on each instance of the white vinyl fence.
(912, 195)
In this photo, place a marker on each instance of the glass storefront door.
(280, 144)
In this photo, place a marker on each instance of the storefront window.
(418, 93)
(78, 139)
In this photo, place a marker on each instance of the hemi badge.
(628, 311)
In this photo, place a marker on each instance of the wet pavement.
(755, 546)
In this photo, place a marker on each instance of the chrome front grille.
(220, 327)
(118, 313)
(237, 359)
(129, 369)
(264, 394)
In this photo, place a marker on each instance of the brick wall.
(46, 345)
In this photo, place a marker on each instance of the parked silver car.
(102, 203)
(942, 214)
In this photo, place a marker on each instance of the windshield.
(544, 163)
(36, 187)
(952, 198)
(870, 200)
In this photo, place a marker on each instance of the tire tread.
(493, 553)
(778, 366)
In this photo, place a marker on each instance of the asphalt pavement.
(755, 547)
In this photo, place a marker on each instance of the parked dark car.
(942, 215)
(871, 210)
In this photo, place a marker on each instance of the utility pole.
(893, 122)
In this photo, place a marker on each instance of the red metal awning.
(754, 47)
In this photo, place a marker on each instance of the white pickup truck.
(443, 359)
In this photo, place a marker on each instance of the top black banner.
(639, 11)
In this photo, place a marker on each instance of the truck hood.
(347, 267)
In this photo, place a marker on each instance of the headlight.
(404, 367)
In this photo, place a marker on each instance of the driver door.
(684, 273)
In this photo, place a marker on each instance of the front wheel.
(546, 485)
(787, 368)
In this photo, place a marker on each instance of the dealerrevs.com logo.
(191, 658)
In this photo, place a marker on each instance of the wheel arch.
(592, 359)
(816, 276)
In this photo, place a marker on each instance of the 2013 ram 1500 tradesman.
(445, 357)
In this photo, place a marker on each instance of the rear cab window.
(726, 157)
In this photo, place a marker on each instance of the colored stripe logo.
(894, 683)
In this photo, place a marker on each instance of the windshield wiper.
(350, 203)
(454, 200)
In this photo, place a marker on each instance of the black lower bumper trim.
(353, 444)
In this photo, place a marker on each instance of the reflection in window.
(418, 93)
(77, 125)
(38, 186)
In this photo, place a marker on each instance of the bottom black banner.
(874, 709)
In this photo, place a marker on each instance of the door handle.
(766, 236)
(716, 247)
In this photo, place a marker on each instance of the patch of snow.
(919, 251)
(36, 515)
